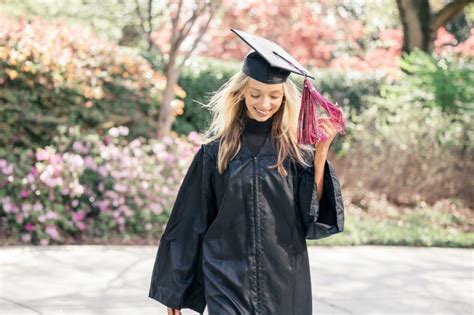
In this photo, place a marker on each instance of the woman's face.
(262, 100)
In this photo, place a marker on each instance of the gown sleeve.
(177, 278)
(326, 217)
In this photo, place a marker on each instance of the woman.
(236, 236)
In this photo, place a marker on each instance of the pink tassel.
(309, 132)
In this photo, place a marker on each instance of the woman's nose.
(266, 103)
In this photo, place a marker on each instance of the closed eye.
(257, 96)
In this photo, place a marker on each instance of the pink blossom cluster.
(96, 186)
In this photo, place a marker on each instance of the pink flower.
(26, 238)
(148, 226)
(170, 158)
(52, 232)
(44, 242)
(29, 227)
(167, 140)
(193, 136)
(34, 171)
(102, 170)
(50, 215)
(9, 206)
(8, 170)
(26, 208)
(107, 140)
(24, 194)
(56, 159)
(120, 187)
(42, 155)
(156, 208)
(19, 218)
(57, 171)
(75, 203)
(103, 205)
(89, 163)
(78, 216)
(126, 211)
(37, 206)
(79, 147)
(30, 178)
(81, 226)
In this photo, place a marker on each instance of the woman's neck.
(254, 126)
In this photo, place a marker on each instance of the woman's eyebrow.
(275, 91)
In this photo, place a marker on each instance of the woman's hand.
(330, 131)
(174, 311)
(322, 149)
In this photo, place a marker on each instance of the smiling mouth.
(262, 112)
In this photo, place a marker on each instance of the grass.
(445, 224)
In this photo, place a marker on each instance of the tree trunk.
(415, 16)
(420, 24)
(166, 117)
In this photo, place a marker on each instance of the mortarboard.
(271, 64)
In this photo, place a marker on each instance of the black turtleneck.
(255, 132)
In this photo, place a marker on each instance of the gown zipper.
(257, 236)
(257, 228)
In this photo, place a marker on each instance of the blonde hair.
(227, 106)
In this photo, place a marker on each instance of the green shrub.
(199, 79)
(409, 143)
(444, 82)
(348, 88)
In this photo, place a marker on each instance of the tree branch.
(183, 32)
(140, 16)
(447, 13)
(150, 24)
(201, 32)
(174, 23)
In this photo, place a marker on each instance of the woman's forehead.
(263, 87)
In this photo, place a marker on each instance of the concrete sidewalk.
(357, 280)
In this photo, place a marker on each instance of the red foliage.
(446, 43)
(314, 39)
(316, 35)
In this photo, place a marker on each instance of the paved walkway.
(357, 280)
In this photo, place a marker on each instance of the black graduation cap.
(271, 64)
(268, 63)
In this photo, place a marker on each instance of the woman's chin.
(261, 117)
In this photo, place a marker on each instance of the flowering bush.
(54, 74)
(92, 186)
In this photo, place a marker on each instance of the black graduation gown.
(236, 241)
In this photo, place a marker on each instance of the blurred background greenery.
(99, 100)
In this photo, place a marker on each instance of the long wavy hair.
(227, 106)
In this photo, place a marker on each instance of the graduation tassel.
(309, 132)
